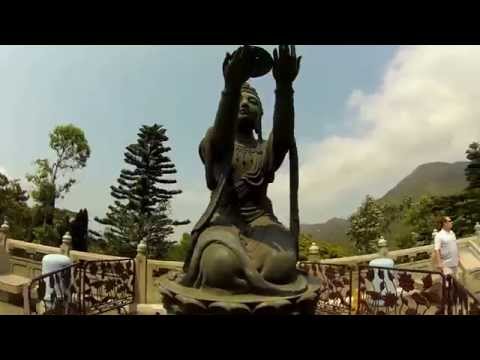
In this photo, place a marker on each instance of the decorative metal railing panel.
(56, 293)
(335, 287)
(85, 288)
(108, 285)
(385, 291)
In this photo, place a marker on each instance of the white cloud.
(426, 109)
(3, 171)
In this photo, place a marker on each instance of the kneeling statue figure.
(238, 245)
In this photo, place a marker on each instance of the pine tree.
(141, 206)
(472, 172)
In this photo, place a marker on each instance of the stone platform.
(180, 300)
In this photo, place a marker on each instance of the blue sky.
(110, 91)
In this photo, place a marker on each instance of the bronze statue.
(238, 245)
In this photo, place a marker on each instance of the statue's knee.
(220, 266)
(280, 267)
(219, 257)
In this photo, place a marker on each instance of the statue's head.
(250, 110)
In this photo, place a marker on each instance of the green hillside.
(429, 179)
(333, 231)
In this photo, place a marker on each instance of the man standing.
(446, 249)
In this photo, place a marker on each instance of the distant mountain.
(436, 178)
(333, 231)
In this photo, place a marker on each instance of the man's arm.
(437, 254)
(438, 260)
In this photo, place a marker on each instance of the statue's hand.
(238, 67)
(286, 65)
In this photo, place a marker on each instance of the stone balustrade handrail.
(31, 247)
(169, 265)
(361, 259)
(474, 245)
(175, 265)
(38, 248)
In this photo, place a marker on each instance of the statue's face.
(249, 110)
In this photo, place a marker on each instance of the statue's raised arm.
(286, 67)
(236, 71)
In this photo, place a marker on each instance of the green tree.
(304, 243)
(472, 171)
(464, 209)
(13, 207)
(50, 234)
(51, 180)
(367, 224)
(141, 209)
(422, 218)
(43, 192)
(178, 251)
(407, 241)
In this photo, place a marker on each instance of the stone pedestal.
(180, 300)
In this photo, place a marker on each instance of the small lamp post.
(382, 245)
(4, 231)
(66, 244)
(477, 230)
(313, 252)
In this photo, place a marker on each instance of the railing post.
(26, 300)
(66, 244)
(313, 252)
(140, 273)
(477, 230)
(4, 235)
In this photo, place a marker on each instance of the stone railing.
(26, 260)
(415, 257)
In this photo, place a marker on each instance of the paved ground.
(8, 309)
(143, 309)
(469, 260)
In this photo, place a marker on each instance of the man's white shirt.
(446, 242)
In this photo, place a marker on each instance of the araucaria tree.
(142, 204)
(472, 172)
